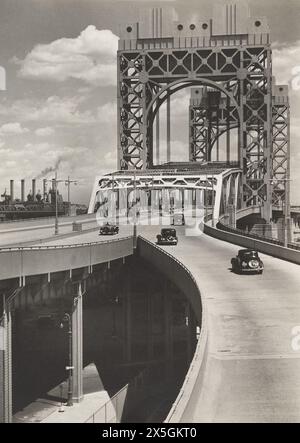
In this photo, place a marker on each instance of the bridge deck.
(252, 373)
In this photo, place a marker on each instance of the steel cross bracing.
(224, 185)
(210, 116)
(233, 58)
(281, 146)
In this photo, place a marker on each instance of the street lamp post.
(68, 183)
(56, 206)
(55, 182)
(67, 318)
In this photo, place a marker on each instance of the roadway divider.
(265, 247)
(183, 278)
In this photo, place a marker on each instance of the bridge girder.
(156, 61)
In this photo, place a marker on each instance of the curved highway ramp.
(252, 373)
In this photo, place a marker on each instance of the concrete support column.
(6, 365)
(77, 351)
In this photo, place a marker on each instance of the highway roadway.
(252, 373)
(27, 231)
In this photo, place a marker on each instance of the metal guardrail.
(274, 241)
(111, 411)
(294, 246)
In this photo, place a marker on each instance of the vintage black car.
(167, 236)
(247, 260)
(109, 229)
(178, 220)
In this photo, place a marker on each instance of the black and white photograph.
(149, 214)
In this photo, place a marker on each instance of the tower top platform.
(227, 20)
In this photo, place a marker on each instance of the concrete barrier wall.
(182, 277)
(174, 270)
(22, 262)
(259, 245)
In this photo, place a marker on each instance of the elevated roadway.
(252, 373)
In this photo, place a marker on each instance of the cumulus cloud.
(90, 57)
(13, 129)
(286, 64)
(44, 132)
(107, 113)
(63, 110)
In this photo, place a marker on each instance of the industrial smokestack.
(12, 197)
(33, 190)
(22, 190)
(44, 188)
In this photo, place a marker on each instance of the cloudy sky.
(60, 104)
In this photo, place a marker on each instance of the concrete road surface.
(252, 374)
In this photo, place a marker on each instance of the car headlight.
(253, 264)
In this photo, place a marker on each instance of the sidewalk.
(47, 410)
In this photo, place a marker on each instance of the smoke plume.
(47, 171)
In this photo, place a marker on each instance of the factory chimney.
(22, 190)
(33, 190)
(12, 197)
(45, 189)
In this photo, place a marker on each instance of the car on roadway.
(109, 229)
(167, 236)
(247, 261)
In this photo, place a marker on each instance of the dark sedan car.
(247, 260)
(167, 236)
(108, 229)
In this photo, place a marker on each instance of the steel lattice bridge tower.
(227, 61)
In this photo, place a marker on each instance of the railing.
(112, 410)
(263, 238)
(129, 397)
(196, 42)
(226, 228)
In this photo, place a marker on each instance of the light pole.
(286, 208)
(56, 206)
(68, 183)
(55, 182)
(67, 318)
